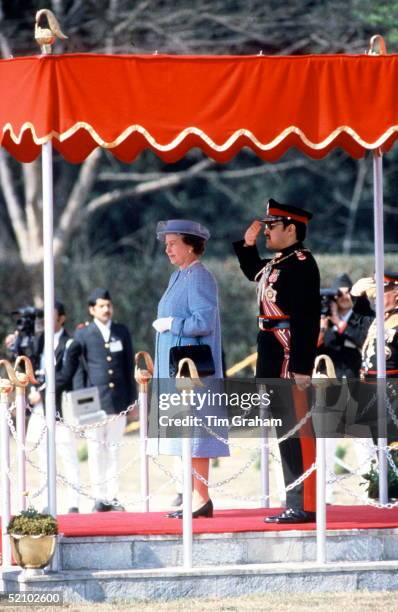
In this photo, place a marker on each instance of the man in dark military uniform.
(390, 335)
(107, 363)
(289, 303)
(368, 411)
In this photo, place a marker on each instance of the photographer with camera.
(23, 340)
(28, 339)
(342, 327)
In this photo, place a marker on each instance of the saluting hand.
(252, 232)
(364, 285)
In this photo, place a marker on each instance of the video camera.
(26, 326)
(327, 296)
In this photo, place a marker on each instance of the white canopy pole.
(20, 409)
(5, 480)
(264, 458)
(49, 365)
(187, 505)
(321, 498)
(380, 349)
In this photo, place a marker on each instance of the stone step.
(155, 551)
(211, 581)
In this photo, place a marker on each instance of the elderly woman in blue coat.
(188, 313)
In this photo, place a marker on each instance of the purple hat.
(181, 226)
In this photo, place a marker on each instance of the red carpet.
(224, 521)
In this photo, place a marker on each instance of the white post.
(144, 476)
(47, 177)
(380, 343)
(187, 503)
(264, 460)
(264, 501)
(5, 482)
(320, 500)
(20, 403)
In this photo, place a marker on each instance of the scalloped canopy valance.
(220, 104)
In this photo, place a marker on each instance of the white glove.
(363, 285)
(163, 324)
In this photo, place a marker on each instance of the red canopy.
(172, 103)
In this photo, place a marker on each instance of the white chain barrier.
(83, 432)
(80, 431)
(39, 440)
(82, 489)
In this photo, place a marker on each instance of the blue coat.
(191, 298)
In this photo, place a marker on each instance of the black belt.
(269, 324)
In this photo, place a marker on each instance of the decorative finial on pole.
(45, 37)
(377, 45)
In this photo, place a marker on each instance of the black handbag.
(200, 354)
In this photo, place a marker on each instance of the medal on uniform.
(270, 293)
(274, 277)
(267, 272)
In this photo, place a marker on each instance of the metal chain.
(392, 463)
(391, 412)
(81, 428)
(226, 480)
(15, 435)
(38, 492)
(296, 427)
(166, 471)
(370, 502)
(79, 431)
(80, 488)
(198, 476)
(264, 444)
(301, 478)
(104, 443)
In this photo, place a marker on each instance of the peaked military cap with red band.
(278, 212)
(390, 279)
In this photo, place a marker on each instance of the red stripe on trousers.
(308, 448)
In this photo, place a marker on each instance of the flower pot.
(33, 551)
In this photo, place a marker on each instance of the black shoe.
(116, 506)
(206, 511)
(73, 510)
(292, 515)
(101, 506)
(177, 501)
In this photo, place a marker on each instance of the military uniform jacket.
(292, 280)
(107, 365)
(390, 347)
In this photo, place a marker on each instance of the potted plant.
(372, 478)
(33, 538)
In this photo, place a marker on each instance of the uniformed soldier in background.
(289, 303)
(368, 408)
(107, 363)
